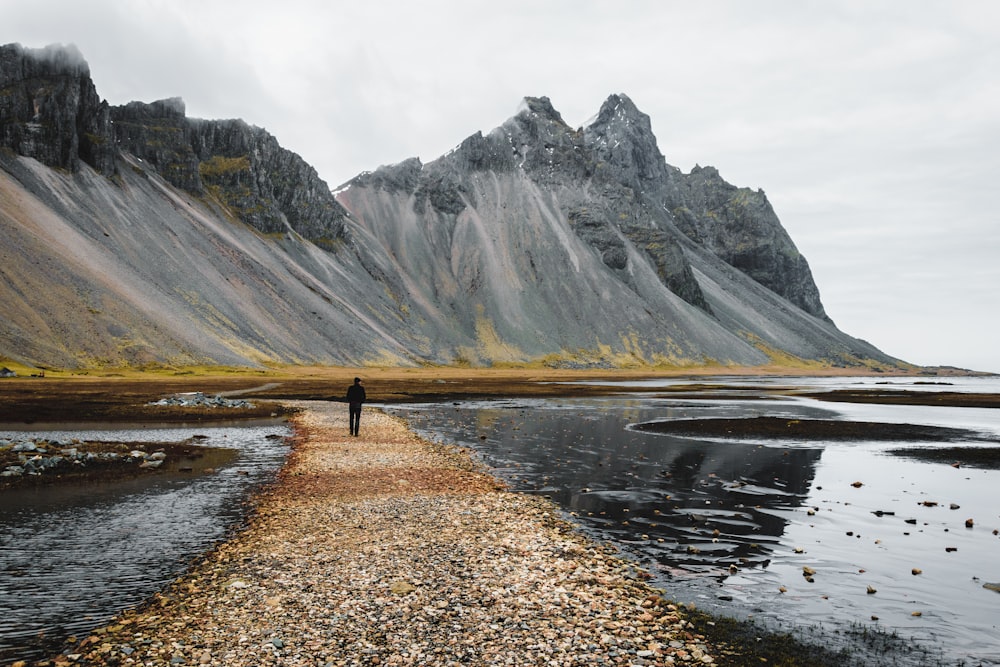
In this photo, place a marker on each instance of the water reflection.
(73, 556)
(730, 524)
(675, 500)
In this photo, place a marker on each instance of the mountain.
(134, 235)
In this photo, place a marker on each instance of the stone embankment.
(388, 550)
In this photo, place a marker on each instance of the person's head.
(357, 380)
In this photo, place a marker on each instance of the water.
(74, 556)
(730, 524)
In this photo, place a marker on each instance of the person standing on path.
(355, 397)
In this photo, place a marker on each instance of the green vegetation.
(219, 165)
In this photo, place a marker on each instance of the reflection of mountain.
(701, 505)
(706, 505)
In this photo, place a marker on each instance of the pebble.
(386, 549)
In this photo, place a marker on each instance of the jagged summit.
(622, 136)
(620, 109)
(541, 107)
(135, 235)
(652, 227)
(537, 122)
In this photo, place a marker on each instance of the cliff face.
(735, 224)
(739, 226)
(50, 111)
(536, 242)
(238, 166)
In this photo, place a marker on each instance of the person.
(355, 397)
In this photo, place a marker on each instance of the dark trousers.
(355, 417)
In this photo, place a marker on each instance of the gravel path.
(385, 549)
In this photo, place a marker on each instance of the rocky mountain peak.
(535, 243)
(619, 109)
(540, 107)
(400, 177)
(539, 141)
(706, 172)
(536, 122)
(739, 226)
(622, 136)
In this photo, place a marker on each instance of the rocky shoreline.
(34, 462)
(36, 458)
(389, 550)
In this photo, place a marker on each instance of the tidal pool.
(839, 539)
(72, 556)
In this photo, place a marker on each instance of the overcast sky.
(874, 127)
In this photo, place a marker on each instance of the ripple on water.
(726, 518)
(72, 557)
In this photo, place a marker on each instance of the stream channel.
(72, 556)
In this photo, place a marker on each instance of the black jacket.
(355, 394)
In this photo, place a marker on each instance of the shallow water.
(730, 524)
(74, 556)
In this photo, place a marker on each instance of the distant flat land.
(123, 397)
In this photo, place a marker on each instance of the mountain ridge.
(183, 241)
